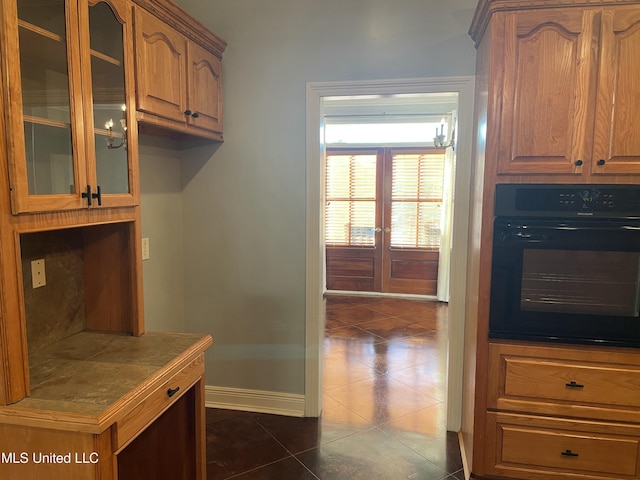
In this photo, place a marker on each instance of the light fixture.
(439, 141)
(123, 125)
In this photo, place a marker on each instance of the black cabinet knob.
(195, 115)
(172, 391)
(600, 162)
(578, 163)
(188, 112)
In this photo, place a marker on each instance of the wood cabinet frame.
(492, 29)
(168, 37)
(81, 111)
(158, 397)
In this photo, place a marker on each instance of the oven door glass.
(580, 281)
(575, 282)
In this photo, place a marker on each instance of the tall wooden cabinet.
(557, 95)
(84, 392)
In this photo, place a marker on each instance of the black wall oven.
(566, 264)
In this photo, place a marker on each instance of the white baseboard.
(259, 401)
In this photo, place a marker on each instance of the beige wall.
(161, 205)
(243, 207)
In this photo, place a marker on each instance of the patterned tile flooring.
(383, 405)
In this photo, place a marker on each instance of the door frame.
(315, 269)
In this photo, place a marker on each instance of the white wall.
(244, 208)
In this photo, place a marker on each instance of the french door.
(383, 218)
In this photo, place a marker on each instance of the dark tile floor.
(383, 405)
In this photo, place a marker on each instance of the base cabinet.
(166, 448)
(537, 448)
(133, 409)
(558, 412)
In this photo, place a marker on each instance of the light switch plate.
(38, 277)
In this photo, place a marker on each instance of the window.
(411, 211)
(350, 199)
(417, 182)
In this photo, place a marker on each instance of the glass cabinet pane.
(109, 97)
(48, 15)
(45, 97)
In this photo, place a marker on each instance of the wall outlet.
(38, 277)
(145, 249)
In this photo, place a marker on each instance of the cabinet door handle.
(88, 195)
(600, 162)
(578, 163)
(172, 391)
(188, 112)
(573, 384)
(97, 196)
(569, 453)
(195, 115)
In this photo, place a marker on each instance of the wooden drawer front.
(584, 384)
(157, 402)
(541, 448)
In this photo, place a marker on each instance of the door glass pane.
(107, 76)
(417, 184)
(350, 213)
(45, 97)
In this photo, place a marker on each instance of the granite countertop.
(88, 372)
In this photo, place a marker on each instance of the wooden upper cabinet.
(179, 85)
(570, 92)
(66, 76)
(617, 122)
(161, 78)
(549, 79)
(205, 89)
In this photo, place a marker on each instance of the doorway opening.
(318, 95)
(388, 192)
(383, 219)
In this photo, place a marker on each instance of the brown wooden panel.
(352, 284)
(617, 117)
(350, 268)
(412, 271)
(109, 293)
(539, 46)
(167, 448)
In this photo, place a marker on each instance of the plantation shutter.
(416, 199)
(350, 213)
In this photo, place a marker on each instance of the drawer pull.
(172, 391)
(574, 385)
(568, 453)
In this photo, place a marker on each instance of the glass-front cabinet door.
(68, 98)
(110, 146)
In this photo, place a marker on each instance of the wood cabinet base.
(543, 448)
(143, 421)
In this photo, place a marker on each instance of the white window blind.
(351, 199)
(416, 200)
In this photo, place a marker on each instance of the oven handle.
(544, 233)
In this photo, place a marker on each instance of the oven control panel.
(614, 201)
(587, 200)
